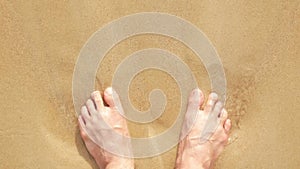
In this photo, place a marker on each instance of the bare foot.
(196, 151)
(90, 121)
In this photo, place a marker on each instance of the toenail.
(97, 95)
(95, 92)
(200, 93)
(219, 104)
(224, 113)
(213, 96)
(108, 90)
(196, 93)
(117, 126)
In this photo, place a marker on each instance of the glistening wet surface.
(257, 42)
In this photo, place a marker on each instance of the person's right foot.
(193, 151)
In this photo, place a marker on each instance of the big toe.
(196, 99)
(111, 97)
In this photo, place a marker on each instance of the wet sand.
(257, 41)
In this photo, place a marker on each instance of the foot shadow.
(83, 151)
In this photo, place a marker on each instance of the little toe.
(96, 96)
(81, 125)
(212, 100)
(227, 125)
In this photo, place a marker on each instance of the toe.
(84, 114)
(83, 135)
(212, 99)
(81, 126)
(111, 97)
(90, 106)
(81, 121)
(196, 99)
(217, 110)
(223, 116)
(96, 96)
(227, 125)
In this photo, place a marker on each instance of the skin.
(90, 123)
(192, 153)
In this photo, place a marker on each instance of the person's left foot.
(196, 151)
(89, 122)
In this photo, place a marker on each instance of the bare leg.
(89, 122)
(193, 153)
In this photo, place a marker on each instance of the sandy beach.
(257, 41)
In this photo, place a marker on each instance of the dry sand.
(258, 42)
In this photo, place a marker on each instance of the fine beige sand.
(258, 42)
